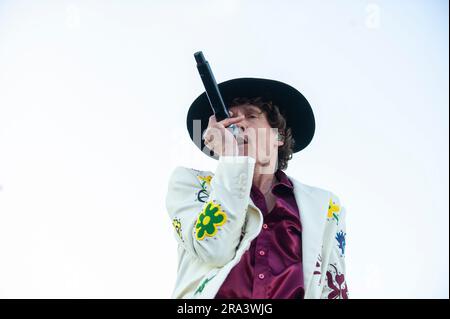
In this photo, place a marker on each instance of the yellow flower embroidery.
(206, 179)
(208, 220)
(333, 210)
(177, 224)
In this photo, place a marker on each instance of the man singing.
(248, 230)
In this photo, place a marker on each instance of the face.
(262, 140)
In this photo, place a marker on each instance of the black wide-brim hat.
(292, 104)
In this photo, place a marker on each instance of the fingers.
(217, 138)
(226, 122)
(207, 137)
(232, 120)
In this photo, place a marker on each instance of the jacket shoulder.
(190, 170)
(188, 173)
(315, 189)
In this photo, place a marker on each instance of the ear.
(280, 139)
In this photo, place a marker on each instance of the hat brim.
(292, 104)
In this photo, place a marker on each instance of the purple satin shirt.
(272, 267)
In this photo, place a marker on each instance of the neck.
(264, 177)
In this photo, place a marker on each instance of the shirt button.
(261, 276)
(265, 226)
(262, 252)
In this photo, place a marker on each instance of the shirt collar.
(283, 179)
(282, 182)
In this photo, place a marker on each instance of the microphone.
(212, 91)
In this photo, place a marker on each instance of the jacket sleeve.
(209, 226)
(335, 286)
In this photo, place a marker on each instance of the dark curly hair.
(277, 120)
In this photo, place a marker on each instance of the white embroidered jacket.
(210, 211)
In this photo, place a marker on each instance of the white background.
(93, 99)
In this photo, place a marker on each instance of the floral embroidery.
(336, 282)
(177, 224)
(208, 220)
(340, 237)
(333, 210)
(203, 284)
(205, 179)
(318, 263)
(202, 195)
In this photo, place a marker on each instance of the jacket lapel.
(313, 205)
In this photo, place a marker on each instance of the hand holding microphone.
(219, 138)
(222, 131)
